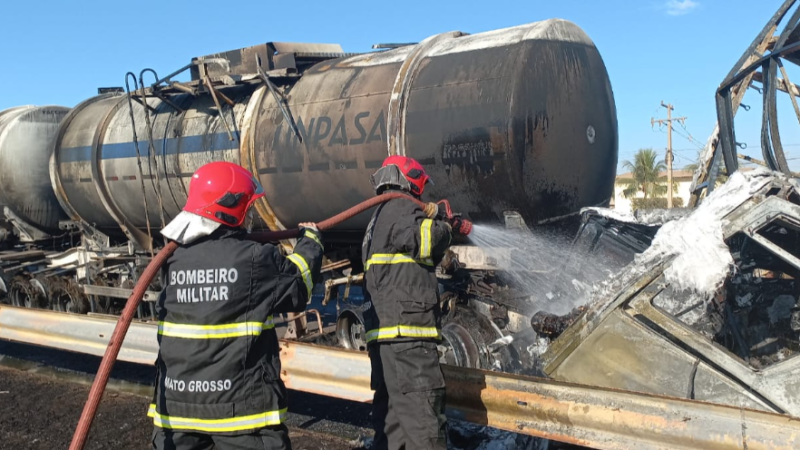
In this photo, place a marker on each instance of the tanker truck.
(515, 126)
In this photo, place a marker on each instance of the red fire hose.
(115, 343)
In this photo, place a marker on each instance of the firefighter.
(402, 245)
(218, 379)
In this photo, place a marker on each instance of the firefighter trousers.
(409, 401)
(270, 438)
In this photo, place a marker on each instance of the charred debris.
(699, 303)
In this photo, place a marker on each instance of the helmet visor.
(259, 190)
(416, 174)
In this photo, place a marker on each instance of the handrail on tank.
(195, 62)
(279, 99)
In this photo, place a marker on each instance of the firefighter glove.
(431, 210)
(310, 225)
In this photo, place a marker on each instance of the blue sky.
(678, 51)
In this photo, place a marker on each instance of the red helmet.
(223, 192)
(411, 170)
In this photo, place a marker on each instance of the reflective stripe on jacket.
(251, 422)
(218, 368)
(227, 330)
(400, 251)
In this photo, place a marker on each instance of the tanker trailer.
(519, 121)
(29, 211)
(516, 119)
(27, 201)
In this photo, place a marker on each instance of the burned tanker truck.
(516, 126)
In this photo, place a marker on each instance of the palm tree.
(645, 178)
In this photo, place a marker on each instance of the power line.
(689, 138)
(633, 152)
(685, 158)
(686, 149)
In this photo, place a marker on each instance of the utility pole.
(668, 121)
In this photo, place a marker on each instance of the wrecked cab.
(708, 312)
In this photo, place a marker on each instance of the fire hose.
(118, 336)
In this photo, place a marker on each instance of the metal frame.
(105, 291)
(722, 146)
(622, 340)
(28, 232)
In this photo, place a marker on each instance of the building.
(682, 178)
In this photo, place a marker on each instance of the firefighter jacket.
(400, 251)
(218, 367)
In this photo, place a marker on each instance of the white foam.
(701, 261)
(701, 258)
(652, 217)
(611, 214)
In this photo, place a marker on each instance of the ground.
(40, 413)
(43, 391)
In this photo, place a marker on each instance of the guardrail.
(582, 415)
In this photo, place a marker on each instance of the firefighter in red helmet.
(218, 379)
(402, 245)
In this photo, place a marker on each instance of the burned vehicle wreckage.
(698, 303)
(709, 311)
(703, 303)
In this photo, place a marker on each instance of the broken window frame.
(774, 387)
(748, 219)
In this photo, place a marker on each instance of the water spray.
(548, 272)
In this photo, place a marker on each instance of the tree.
(645, 170)
(655, 203)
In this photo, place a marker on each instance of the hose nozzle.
(461, 226)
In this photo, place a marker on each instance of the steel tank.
(113, 171)
(27, 134)
(515, 119)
